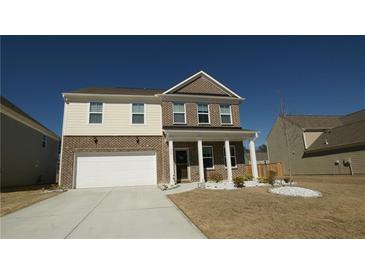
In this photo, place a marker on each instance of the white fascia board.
(196, 75)
(209, 131)
(194, 98)
(186, 135)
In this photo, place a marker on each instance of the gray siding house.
(319, 145)
(29, 151)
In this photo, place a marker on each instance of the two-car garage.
(111, 169)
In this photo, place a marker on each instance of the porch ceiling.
(184, 135)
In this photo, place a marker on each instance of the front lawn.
(255, 213)
(17, 198)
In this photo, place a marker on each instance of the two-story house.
(128, 136)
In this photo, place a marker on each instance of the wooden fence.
(264, 169)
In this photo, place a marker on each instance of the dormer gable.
(202, 84)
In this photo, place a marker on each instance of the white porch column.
(228, 160)
(171, 162)
(200, 160)
(255, 174)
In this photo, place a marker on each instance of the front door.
(182, 162)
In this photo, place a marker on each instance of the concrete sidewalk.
(125, 212)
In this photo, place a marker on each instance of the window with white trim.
(96, 113)
(44, 141)
(137, 113)
(233, 156)
(179, 113)
(208, 159)
(203, 113)
(225, 111)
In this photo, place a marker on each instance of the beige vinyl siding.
(116, 120)
(310, 137)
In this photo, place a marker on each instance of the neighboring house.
(261, 157)
(128, 136)
(29, 151)
(319, 144)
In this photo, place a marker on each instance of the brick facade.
(218, 148)
(192, 115)
(74, 144)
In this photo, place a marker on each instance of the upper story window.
(96, 113)
(208, 159)
(179, 113)
(233, 156)
(137, 113)
(44, 141)
(203, 114)
(226, 115)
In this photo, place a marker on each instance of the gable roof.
(25, 118)
(202, 83)
(120, 91)
(198, 84)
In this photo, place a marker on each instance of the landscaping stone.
(253, 184)
(228, 185)
(280, 182)
(219, 186)
(295, 191)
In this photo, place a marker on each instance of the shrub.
(248, 177)
(263, 180)
(271, 178)
(239, 181)
(215, 177)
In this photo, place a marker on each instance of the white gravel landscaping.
(171, 189)
(219, 186)
(295, 191)
(254, 184)
(227, 185)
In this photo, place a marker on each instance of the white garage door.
(116, 169)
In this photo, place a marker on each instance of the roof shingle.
(348, 134)
(315, 121)
(120, 91)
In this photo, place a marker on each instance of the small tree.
(284, 123)
(239, 182)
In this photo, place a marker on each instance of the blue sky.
(316, 74)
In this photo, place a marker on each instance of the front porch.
(198, 155)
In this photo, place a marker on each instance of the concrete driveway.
(125, 212)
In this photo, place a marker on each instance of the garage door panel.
(116, 169)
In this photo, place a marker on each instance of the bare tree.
(282, 115)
